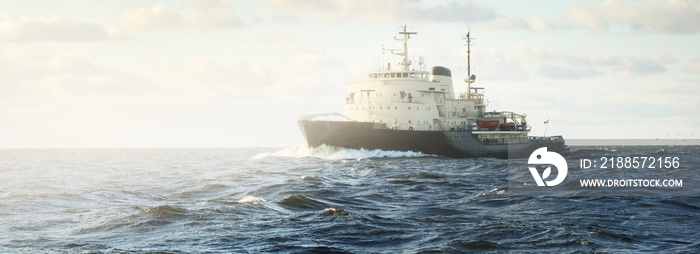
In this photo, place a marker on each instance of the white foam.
(337, 153)
(262, 202)
(251, 200)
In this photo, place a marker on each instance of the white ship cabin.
(411, 98)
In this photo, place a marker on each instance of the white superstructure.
(411, 98)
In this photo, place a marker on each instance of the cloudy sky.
(215, 73)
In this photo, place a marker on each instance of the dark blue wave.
(222, 201)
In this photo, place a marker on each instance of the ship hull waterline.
(457, 144)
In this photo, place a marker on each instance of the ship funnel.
(442, 75)
(441, 71)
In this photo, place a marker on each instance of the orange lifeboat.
(487, 124)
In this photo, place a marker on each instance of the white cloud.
(52, 100)
(670, 16)
(391, 10)
(567, 72)
(451, 11)
(31, 78)
(495, 65)
(290, 73)
(540, 24)
(535, 24)
(223, 77)
(693, 66)
(506, 23)
(560, 65)
(197, 15)
(53, 28)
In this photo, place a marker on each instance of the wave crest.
(164, 211)
(251, 200)
(334, 211)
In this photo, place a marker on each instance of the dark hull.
(362, 135)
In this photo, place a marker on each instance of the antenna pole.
(469, 62)
(469, 79)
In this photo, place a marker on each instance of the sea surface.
(324, 200)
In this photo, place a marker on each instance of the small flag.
(546, 122)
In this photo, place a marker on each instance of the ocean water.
(325, 200)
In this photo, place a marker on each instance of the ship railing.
(417, 126)
(439, 126)
(418, 100)
(546, 138)
(462, 113)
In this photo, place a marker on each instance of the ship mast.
(406, 35)
(470, 78)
